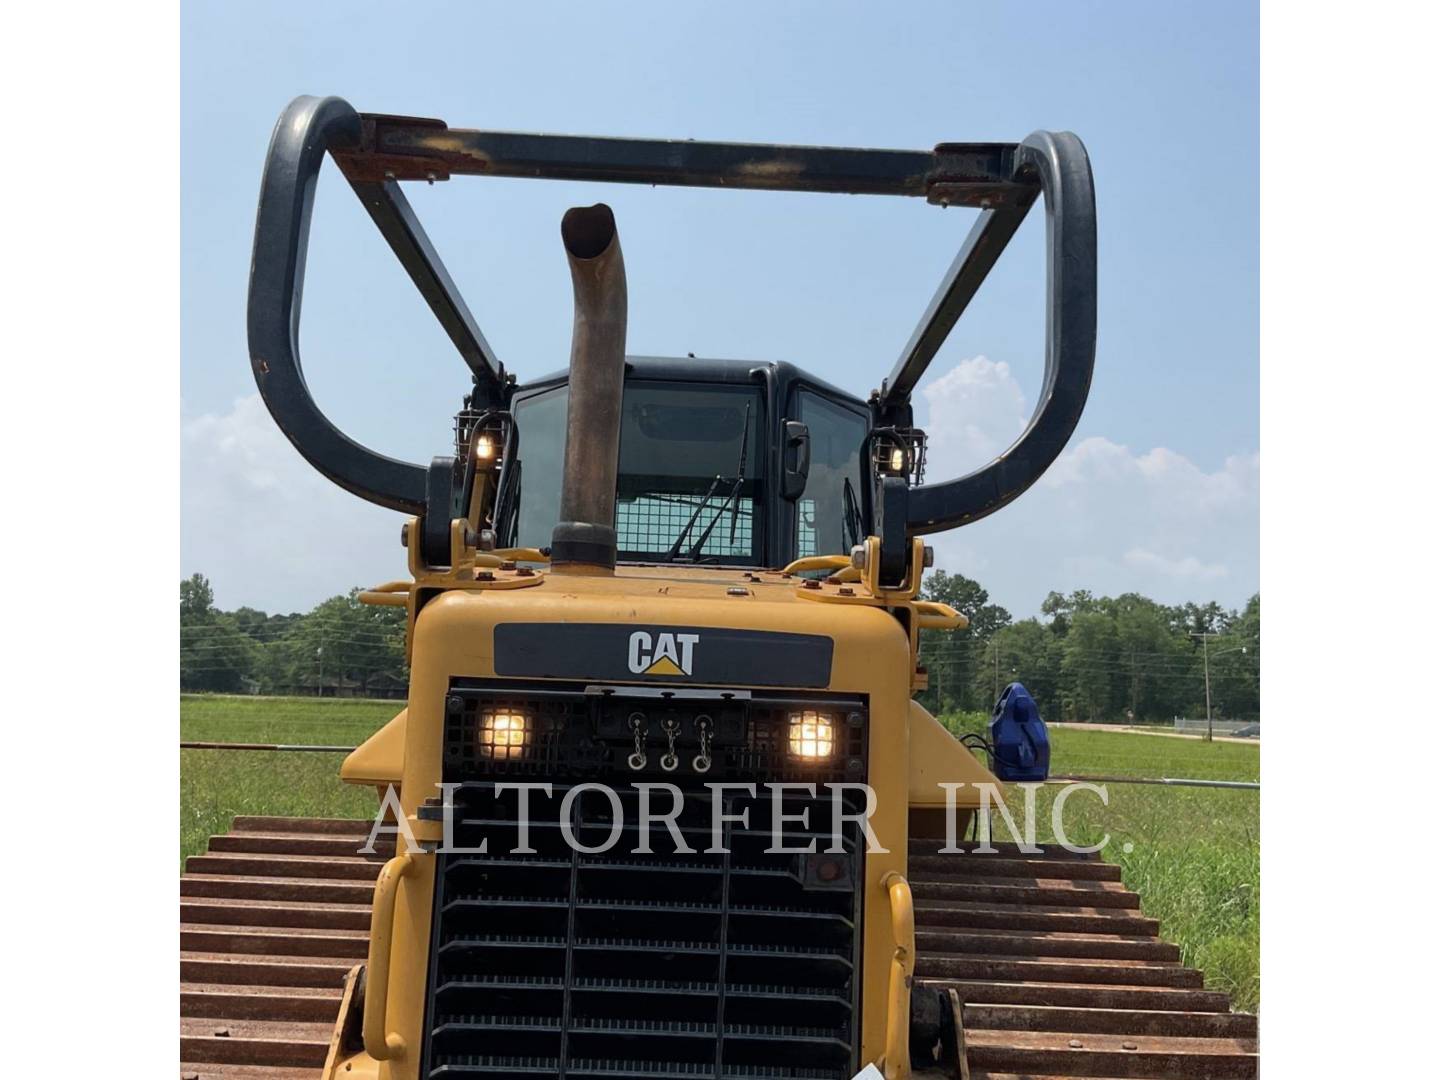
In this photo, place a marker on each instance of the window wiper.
(852, 514)
(694, 517)
(739, 476)
(732, 501)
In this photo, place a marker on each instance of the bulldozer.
(661, 801)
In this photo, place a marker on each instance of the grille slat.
(737, 965)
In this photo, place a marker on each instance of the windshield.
(690, 471)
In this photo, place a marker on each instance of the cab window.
(540, 427)
(827, 520)
(691, 472)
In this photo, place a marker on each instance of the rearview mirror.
(794, 459)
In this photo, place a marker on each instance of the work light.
(504, 734)
(812, 735)
(890, 457)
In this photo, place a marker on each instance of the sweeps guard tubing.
(1062, 166)
(1056, 163)
(307, 128)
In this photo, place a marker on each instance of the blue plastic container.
(1021, 745)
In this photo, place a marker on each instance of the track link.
(1060, 973)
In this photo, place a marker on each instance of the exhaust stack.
(584, 539)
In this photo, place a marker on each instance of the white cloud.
(1105, 517)
(267, 529)
(976, 410)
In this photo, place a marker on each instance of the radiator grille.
(664, 962)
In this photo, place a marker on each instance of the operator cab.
(722, 462)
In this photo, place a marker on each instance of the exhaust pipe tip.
(587, 231)
(584, 540)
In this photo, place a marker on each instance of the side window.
(540, 421)
(828, 513)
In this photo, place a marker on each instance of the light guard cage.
(376, 152)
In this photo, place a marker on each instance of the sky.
(1158, 491)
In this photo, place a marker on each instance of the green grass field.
(216, 785)
(1193, 854)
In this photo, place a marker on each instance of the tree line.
(1124, 659)
(340, 648)
(1100, 659)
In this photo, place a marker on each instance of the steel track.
(1060, 972)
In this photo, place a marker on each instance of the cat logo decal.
(662, 653)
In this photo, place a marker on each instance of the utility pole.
(320, 671)
(1205, 649)
(1209, 717)
(1205, 637)
(1134, 686)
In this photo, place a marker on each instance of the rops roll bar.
(1057, 162)
(376, 152)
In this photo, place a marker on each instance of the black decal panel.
(626, 652)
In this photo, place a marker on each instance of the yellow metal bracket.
(380, 1044)
(849, 585)
(521, 554)
(870, 573)
(933, 615)
(469, 569)
(896, 1062)
(391, 594)
(817, 562)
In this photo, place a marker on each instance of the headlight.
(812, 735)
(504, 734)
(484, 448)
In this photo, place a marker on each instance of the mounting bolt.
(811, 583)
(737, 590)
(470, 536)
(454, 703)
(845, 590)
(857, 556)
(405, 535)
(487, 540)
(929, 558)
(485, 575)
(855, 719)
